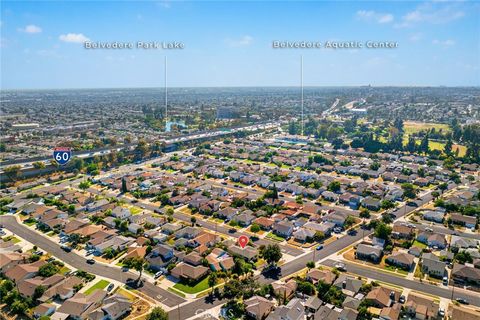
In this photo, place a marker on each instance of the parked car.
(462, 301)
(158, 274)
(402, 299)
(445, 281)
(110, 287)
(320, 247)
(91, 261)
(66, 249)
(341, 266)
(441, 312)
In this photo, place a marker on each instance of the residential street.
(73, 259)
(441, 291)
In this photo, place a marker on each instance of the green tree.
(124, 185)
(212, 281)
(19, 307)
(334, 186)
(193, 220)
(365, 213)
(463, 256)
(271, 253)
(424, 144)
(411, 144)
(39, 165)
(409, 190)
(448, 147)
(137, 264)
(310, 264)
(255, 228)
(48, 270)
(12, 172)
(84, 185)
(382, 231)
(157, 314)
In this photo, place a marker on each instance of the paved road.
(441, 291)
(225, 230)
(443, 230)
(203, 223)
(335, 246)
(300, 263)
(73, 259)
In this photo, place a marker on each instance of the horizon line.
(240, 87)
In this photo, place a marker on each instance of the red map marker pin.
(242, 241)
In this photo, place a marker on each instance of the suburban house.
(121, 213)
(349, 285)
(258, 307)
(283, 229)
(187, 271)
(402, 231)
(466, 275)
(316, 275)
(421, 308)
(382, 297)
(285, 290)
(467, 221)
(400, 259)
(435, 216)
(432, 265)
(368, 252)
(294, 310)
(371, 203)
(432, 239)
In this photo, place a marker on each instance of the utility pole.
(301, 86)
(166, 99)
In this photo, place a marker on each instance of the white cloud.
(416, 37)
(433, 13)
(370, 15)
(164, 4)
(73, 37)
(241, 42)
(31, 28)
(444, 43)
(48, 53)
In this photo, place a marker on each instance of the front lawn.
(273, 236)
(196, 288)
(418, 244)
(11, 238)
(29, 222)
(135, 210)
(102, 284)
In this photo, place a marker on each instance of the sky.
(230, 43)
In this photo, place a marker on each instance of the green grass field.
(199, 286)
(273, 236)
(419, 244)
(135, 210)
(413, 126)
(102, 284)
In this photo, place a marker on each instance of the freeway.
(167, 298)
(28, 162)
(441, 291)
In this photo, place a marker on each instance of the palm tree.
(212, 281)
(138, 264)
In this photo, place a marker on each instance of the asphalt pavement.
(441, 291)
(79, 262)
